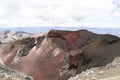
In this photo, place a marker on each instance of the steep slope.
(59, 55)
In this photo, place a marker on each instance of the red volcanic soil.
(58, 55)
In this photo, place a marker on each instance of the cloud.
(90, 13)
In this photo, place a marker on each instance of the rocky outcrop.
(7, 73)
(59, 55)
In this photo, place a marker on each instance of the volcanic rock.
(58, 54)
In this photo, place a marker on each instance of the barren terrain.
(108, 72)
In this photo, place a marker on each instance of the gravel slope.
(108, 72)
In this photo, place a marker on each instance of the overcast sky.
(87, 13)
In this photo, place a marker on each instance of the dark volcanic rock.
(59, 55)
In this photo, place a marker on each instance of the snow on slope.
(9, 35)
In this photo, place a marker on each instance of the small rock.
(93, 78)
(100, 72)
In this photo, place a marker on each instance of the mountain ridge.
(59, 54)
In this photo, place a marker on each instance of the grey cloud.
(12, 7)
(116, 12)
(117, 3)
(77, 18)
(44, 18)
(56, 11)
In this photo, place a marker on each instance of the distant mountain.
(9, 35)
(46, 29)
